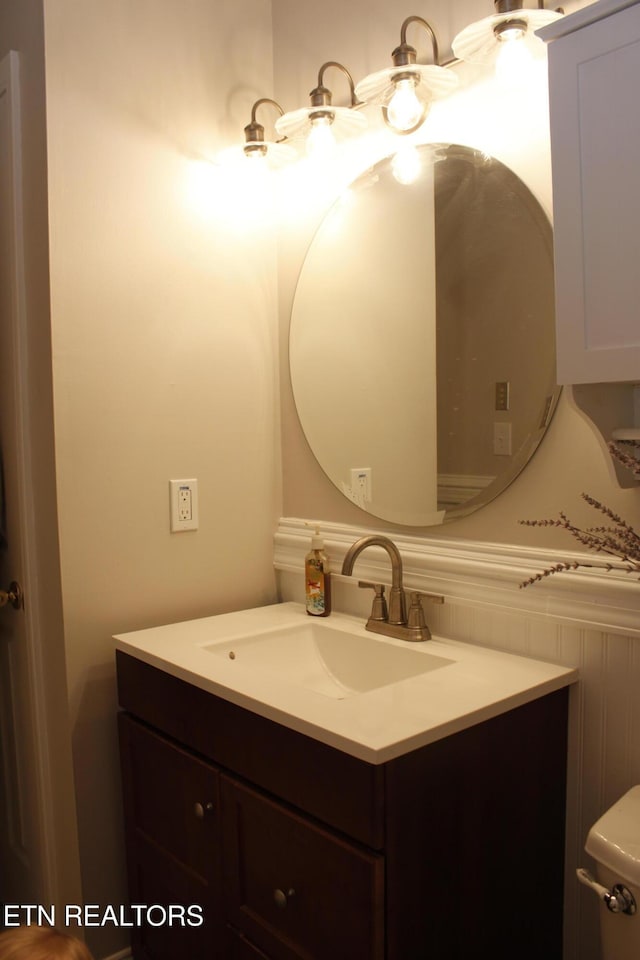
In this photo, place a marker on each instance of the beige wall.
(572, 457)
(163, 320)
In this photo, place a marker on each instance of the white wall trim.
(455, 489)
(479, 574)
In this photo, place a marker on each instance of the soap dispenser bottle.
(317, 579)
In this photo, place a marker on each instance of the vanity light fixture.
(506, 38)
(406, 90)
(256, 147)
(319, 122)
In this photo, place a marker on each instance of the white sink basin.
(332, 662)
(374, 697)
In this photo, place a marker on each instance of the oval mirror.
(422, 340)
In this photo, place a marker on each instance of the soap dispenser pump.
(317, 579)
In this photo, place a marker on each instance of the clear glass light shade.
(299, 123)
(478, 43)
(430, 82)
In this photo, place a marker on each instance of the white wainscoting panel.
(587, 618)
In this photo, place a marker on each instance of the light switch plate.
(502, 439)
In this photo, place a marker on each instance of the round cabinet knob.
(202, 809)
(281, 898)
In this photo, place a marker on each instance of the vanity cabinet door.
(172, 836)
(594, 78)
(294, 889)
(242, 949)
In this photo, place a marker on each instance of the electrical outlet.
(502, 438)
(361, 483)
(183, 498)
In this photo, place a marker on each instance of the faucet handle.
(431, 597)
(415, 617)
(379, 608)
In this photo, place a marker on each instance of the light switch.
(502, 395)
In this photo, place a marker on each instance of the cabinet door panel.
(241, 949)
(174, 797)
(594, 73)
(158, 879)
(294, 889)
(172, 834)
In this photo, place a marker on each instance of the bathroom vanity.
(422, 817)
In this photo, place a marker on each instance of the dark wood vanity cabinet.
(297, 851)
(172, 809)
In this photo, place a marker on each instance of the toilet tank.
(614, 843)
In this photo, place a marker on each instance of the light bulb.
(405, 110)
(257, 154)
(512, 30)
(320, 139)
(406, 165)
(514, 60)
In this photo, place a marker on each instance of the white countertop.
(375, 726)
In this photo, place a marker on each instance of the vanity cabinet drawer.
(294, 889)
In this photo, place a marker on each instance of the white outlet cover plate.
(176, 488)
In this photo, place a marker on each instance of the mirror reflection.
(422, 344)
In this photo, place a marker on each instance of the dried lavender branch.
(609, 513)
(620, 540)
(626, 459)
(588, 539)
(574, 565)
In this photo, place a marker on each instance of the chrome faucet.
(394, 622)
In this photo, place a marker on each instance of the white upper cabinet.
(594, 88)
